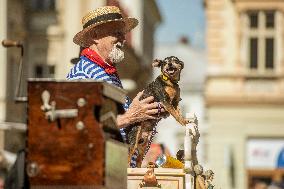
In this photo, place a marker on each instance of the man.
(103, 37)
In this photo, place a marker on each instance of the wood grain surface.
(63, 154)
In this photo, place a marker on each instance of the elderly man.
(103, 37)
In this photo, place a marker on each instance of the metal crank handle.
(65, 113)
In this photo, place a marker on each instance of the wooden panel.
(58, 152)
(166, 177)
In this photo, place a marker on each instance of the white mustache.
(116, 55)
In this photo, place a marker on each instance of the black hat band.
(105, 17)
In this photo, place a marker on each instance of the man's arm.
(139, 110)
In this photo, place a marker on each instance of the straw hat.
(98, 17)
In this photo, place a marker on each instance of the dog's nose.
(170, 64)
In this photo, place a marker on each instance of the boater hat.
(98, 17)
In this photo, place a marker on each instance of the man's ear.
(157, 63)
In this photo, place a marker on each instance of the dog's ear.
(182, 64)
(157, 63)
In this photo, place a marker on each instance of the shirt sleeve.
(78, 72)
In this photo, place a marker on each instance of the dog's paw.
(185, 122)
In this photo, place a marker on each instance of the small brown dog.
(164, 89)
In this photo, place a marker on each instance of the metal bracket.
(50, 109)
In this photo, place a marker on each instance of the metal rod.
(19, 98)
(10, 43)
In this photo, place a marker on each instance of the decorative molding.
(244, 5)
(244, 76)
(211, 100)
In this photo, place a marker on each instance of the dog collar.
(165, 77)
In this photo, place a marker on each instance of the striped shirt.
(86, 69)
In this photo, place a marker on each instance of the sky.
(181, 18)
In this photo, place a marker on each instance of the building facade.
(244, 91)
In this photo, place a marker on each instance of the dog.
(166, 91)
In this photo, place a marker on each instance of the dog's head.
(170, 67)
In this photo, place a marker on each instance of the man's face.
(109, 40)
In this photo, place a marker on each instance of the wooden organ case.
(73, 141)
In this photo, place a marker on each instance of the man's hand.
(139, 110)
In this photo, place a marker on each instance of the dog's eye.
(141, 140)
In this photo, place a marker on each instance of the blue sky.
(181, 18)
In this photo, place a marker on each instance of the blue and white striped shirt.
(86, 69)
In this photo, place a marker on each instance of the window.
(253, 17)
(44, 71)
(269, 19)
(253, 53)
(260, 37)
(38, 71)
(269, 53)
(42, 5)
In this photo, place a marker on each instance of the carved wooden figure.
(199, 179)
